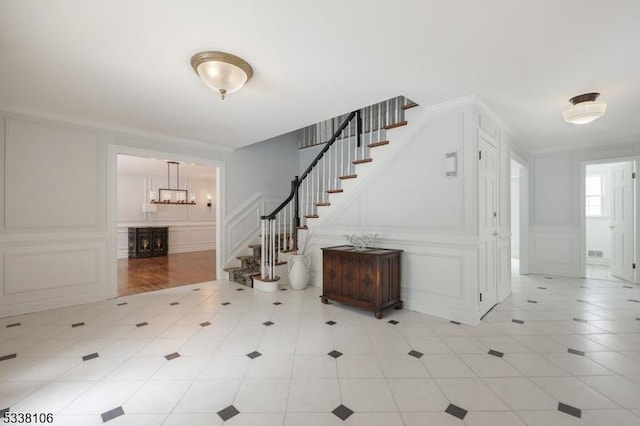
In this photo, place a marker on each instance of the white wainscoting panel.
(52, 176)
(43, 276)
(438, 278)
(434, 272)
(29, 272)
(555, 251)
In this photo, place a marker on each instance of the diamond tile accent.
(174, 303)
(268, 323)
(568, 409)
(205, 324)
(331, 322)
(90, 356)
(454, 322)
(456, 411)
(122, 304)
(393, 322)
(580, 320)
(575, 352)
(335, 354)
(15, 324)
(517, 321)
(415, 354)
(142, 324)
(112, 414)
(277, 303)
(172, 356)
(6, 357)
(495, 353)
(78, 324)
(226, 413)
(254, 354)
(225, 303)
(342, 412)
(532, 301)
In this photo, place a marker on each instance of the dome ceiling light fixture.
(222, 72)
(585, 109)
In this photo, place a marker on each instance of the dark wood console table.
(367, 279)
(148, 241)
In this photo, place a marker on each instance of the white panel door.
(487, 225)
(622, 222)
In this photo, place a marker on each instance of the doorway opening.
(609, 221)
(519, 217)
(166, 223)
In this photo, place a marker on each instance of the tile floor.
(557, 352)
(601, 272)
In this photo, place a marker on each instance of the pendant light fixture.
(222, 72)
(584, 109)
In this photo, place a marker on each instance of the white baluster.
(262, 248)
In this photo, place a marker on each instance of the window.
(594, 195)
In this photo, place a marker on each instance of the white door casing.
(487, 224)
(622, 221)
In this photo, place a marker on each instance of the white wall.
(557, 237)
(515, 216)
(191, 227)
(413, 206)
(258, 179)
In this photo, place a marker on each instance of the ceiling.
(126, 63)
(131, 165)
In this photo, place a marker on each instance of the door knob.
(496, 233)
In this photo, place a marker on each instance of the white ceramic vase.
(299, 271)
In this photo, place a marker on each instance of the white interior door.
(488, 224)
(622, 222)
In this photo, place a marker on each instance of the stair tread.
(394, 125)
(334, 191)
(409, 106)
(252, 246)
(302, 227)
(380, 143)
(232, 268)
(348, 177)
(311, 216)
(287, 251)
(248, 256)
(322, 204)
(364, 160)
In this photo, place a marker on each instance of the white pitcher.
(298, 271)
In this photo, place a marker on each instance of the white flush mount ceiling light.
(222, 72)
(585, 109)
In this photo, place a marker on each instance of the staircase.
(348, 142)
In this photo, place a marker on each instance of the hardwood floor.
(174, 270)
